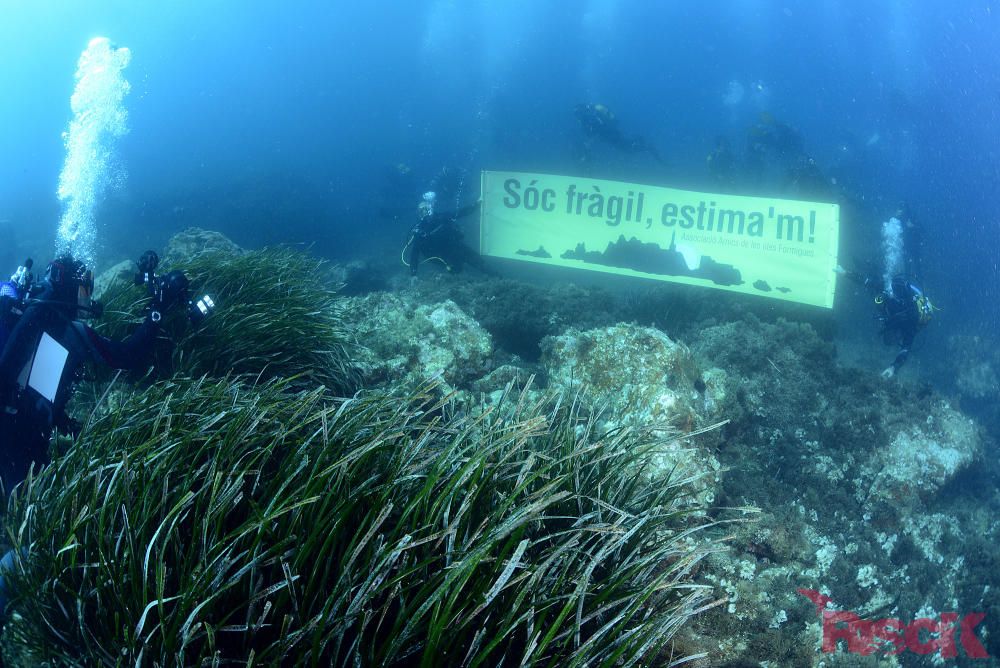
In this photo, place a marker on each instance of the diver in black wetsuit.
(903, 310)
(599, 123)
(47, 344)
(436, 237)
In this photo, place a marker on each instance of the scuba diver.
(903, 310)
(599, 123)
(44, 344)
(401, 185)
(436, 237)
(44, 349)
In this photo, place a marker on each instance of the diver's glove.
(839, 270)
(889, 372)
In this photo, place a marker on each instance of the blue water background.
(284, 121)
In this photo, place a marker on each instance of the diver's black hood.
(62, 281)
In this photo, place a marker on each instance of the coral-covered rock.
(455, 346)
(640, 377)
(920, 458)
(519, 315)
(639, 374)
(410, 343)
(856, 477)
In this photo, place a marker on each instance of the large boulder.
(920, 458)
(409, 343)
(193, 241)
(638, 376)
(123, 271)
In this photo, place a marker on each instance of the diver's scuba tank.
(925, 308)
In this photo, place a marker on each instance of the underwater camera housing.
(148, 262)
(200, 309)
(170, 290)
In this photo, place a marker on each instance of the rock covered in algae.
(123, 271)
(638, 373)
(920, 458)
(181, 248)
(856, 478)
(410, 343)
(640, 377)
(193, 241)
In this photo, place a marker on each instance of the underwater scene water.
(431, 366)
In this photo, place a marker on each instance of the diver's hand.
(839, 270)
(889, 372)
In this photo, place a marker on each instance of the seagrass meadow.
(388, 476)
(245, 509)
(277, 316)
(618, 336)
